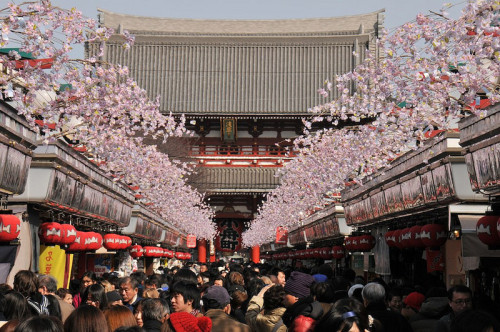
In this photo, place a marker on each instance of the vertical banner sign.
(435, 260)
(228, 129)
(212, 248)
(191, 241)
(229, 235)
(53, 262)
(281, 235)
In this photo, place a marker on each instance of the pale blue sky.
(397, 11)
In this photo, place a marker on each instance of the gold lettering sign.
(228, 130)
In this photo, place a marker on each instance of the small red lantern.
(315, 253)
(366, 242)
(112, 241)
(433, 235)
(415, 241)
(390, 238)
(68, 234)
(179, 255)
(93, 241)
(79, 243)
(50, 232)
(486, 229)
(324, 253)
(136, 251)
(10, 227)
(338, 252)
(187, 255)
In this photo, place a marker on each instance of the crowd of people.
(235, 297)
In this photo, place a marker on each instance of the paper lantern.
(50, 232)
(10, 226)
(338, 252)
(79, 243)
(136, 251)
(390, 238)
(150, 251)
(433, 235)
(355, 243)
(366, 242)
(93, 241)
(112, 241)
(397, 234)
(348, 243)
(68, 234)
(179, 255)
(415, 241)
(405, 238)
(325, 253)
(486, 229)
(187, 255)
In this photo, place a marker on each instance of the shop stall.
(421, 188)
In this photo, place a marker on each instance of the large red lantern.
(338, 252)
(10, 226)
(348, 243)
(433, 235)
(324, 253)
(93, 241)
(366, 242)
(486, 229)
(79, 243)
(390, 238)
(150, 251)
(355, 243)
(112, 241)
(50, 232)
(179, 255)
(415, 241)
(136, 251)
(405, 238)
(397, 236)
(187, 255)
(68, 234)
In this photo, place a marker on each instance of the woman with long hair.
(16, 306)
(86, 318)
(118, 316)
(95, 295)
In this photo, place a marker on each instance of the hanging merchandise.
(50, 233)
(10, 226)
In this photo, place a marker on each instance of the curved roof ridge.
(246, 26)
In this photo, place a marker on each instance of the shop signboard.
(412, 193)
(443, 182)
(379, 205)
(14, 172)
(428, 188)
(394, 199)
(485, 161)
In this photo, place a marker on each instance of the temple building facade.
(244, 86)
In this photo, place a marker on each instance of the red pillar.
(202, 251)
(256, 254)
(212, 258)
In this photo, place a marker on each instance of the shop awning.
(471, 245)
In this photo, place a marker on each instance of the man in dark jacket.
(374, 300)
(432, 309)
(154, 313)
(302, 311)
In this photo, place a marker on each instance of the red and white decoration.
(116, 242)
(487, 230)
(10, 226)
(136, 251)
(50, 233)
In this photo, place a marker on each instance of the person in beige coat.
(265, 310)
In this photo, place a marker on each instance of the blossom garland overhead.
(102, 108)
(425, 75)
